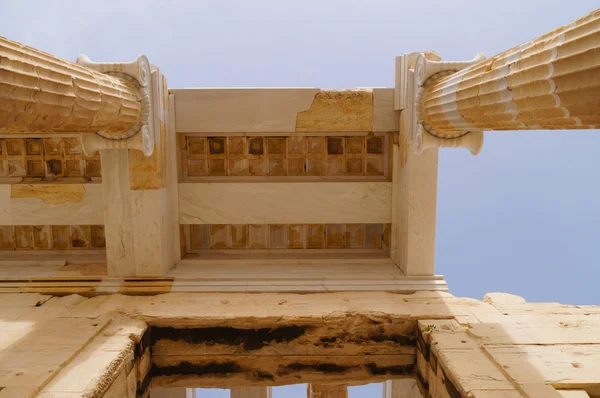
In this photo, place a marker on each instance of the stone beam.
(284, 111)
(222, 371)
(551, 82)
(46, 353)
(282, 203)
(113, 364)
(240, 353)
(40, 93)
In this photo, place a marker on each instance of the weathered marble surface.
(464, 347)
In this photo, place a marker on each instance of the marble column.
(551, 82)
(40, 94)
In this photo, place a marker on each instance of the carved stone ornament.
(423, 136)
(137, 72)
(473, 141)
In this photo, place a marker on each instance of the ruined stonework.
(155, 239)
(119, 345)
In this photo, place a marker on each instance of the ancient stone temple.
(155, 239)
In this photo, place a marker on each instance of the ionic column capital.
(473, 141)
(139, 73)
(426, 68)
(138, 69)
(42, 95)
(417, 72)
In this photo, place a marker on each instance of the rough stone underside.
(123, 345)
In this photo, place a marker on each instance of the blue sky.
(521, 217)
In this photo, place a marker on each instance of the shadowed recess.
(249, 339)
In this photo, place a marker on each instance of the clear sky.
(522, 217)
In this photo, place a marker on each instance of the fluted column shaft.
(551, 82)
(40, 93)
